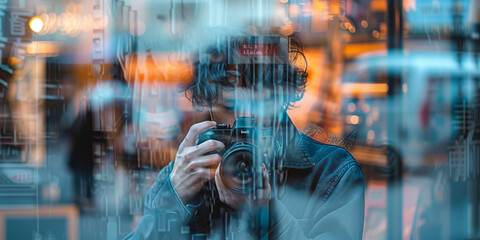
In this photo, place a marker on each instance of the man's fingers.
(212, 173)
(263, 193)
(219, 184)
(203, 175)
(195, 130)
(192, 154)
(265, 176)
(209, 146)
(208, 161)
(209, 174)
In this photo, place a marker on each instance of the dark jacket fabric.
(320, 195)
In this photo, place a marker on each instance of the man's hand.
(260, 197)
(192, 169)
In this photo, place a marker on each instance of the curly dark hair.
(218, 67)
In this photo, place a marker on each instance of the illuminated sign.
(259, 50)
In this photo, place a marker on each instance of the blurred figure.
(77, 126)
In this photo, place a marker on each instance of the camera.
(245, 152)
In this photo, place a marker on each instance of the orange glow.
(378, 6)
(159, 68)
(352, 51)
(364, 24)
(369, 155)
(287, 29)
(15, 61)
(320, 16)
(409, 5)
(353, 119)
(45, 48)
(302, 114)
(335, 8)
(371, 89)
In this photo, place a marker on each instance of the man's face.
(242, 102)
(260, 102)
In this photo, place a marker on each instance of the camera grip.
(205, 136)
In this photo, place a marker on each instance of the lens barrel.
(238, 170)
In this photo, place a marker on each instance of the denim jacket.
(322, 197)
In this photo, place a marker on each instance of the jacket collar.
(294, 145)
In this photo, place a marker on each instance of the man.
(307, 190)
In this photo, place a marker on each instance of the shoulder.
(333, 166)
(322, 153)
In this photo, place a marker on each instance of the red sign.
(259, 50)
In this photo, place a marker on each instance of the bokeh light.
(36, 24)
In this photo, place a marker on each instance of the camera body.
(247, 149)
(241, 168)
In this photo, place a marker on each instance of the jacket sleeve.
(340, 216)
(165, 216)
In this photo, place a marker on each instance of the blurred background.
(91, 106)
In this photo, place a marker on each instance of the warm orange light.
(378, 6)
(15, 61)
(361, 89)
(409, 5)
(36, 24)
(370, 155)
(351, 51)
(364, 24)
(46, 48)
(287, 29)
(159, 68)
(353, 119)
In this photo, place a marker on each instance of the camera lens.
(238, 170)
(243, 167)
